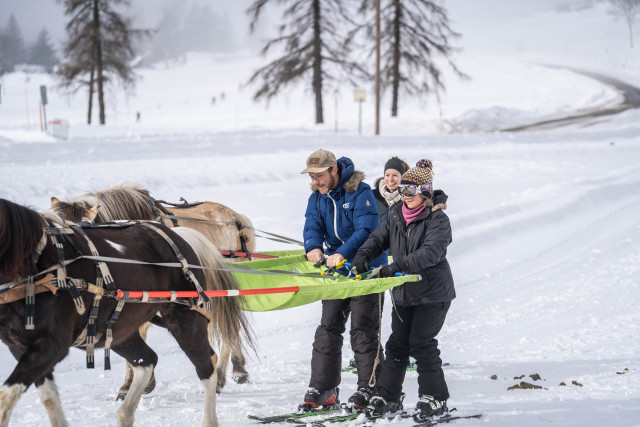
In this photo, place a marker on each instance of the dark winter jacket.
(420, 248)
(343, 218)
(383, 206)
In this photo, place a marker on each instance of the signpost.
(359, 96)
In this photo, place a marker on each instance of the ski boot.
(360, 399)
(315, 399)
(378, 406)
(429, 407)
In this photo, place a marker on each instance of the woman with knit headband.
(385, 189)
(417, 233)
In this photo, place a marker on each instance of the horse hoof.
(152, 385)
(241, 379)
(121, 395)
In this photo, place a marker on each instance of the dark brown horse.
(27, 248)
(217, 222)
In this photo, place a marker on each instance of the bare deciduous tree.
(628, 10)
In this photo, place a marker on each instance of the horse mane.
(117, 203)
(20, 231)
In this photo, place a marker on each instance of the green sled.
(311, 289)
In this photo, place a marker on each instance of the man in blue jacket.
(341, 213)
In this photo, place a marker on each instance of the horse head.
(75, 210)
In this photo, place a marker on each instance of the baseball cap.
(319, 161)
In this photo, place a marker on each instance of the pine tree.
(166, 43)
(100, 45)
(313, 46)
(42, 52)
(413, 33)
(12, 47)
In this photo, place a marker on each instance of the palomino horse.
(218, 223)
(32, 244)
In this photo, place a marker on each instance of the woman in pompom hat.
(417, 233)
(385, 188)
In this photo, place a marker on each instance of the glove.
(387, 271)
(361, 265)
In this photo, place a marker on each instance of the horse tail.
(227, 322)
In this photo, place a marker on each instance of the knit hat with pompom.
(421, 175)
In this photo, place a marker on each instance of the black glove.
(361, 265)
(388, 271)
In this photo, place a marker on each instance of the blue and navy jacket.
(342, 219)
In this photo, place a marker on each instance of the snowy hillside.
(546, 251)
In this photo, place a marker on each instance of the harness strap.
(30, 301)
(109, 334)
(91, 331)
(103, 279)
(61, 277)
(243, 238)
(203, 299)
(102, 271)
(277, 237)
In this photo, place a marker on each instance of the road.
(631, 99)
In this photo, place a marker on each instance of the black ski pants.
(326, 359)
(413, 332)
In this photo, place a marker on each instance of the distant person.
(221, 96)
(418, 233)
(213, 100)
(341, 213)
(137, 116)
(385, 189)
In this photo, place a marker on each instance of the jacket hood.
(439, 200)
(349, 177)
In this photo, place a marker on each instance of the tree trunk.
(98, 41)
(377, 79)
(396, 57)
(90, 95)
(317, 61)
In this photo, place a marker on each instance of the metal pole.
(44, 111)
(26, 103)
(360, 118)
(377, 81)
(194, 294)
(336, 110)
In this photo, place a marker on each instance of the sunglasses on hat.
(412, 190)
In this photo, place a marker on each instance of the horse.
(39, 335)
(222, 226)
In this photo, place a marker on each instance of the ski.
(351, 417)
(445, 419)
(295, 415)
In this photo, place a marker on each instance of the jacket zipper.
(335, 218)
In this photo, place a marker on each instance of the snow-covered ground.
(546, 251)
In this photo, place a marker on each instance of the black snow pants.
(413, 332)
(326, 358)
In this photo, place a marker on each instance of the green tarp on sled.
(311, 289)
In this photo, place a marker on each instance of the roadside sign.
(359, 95)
